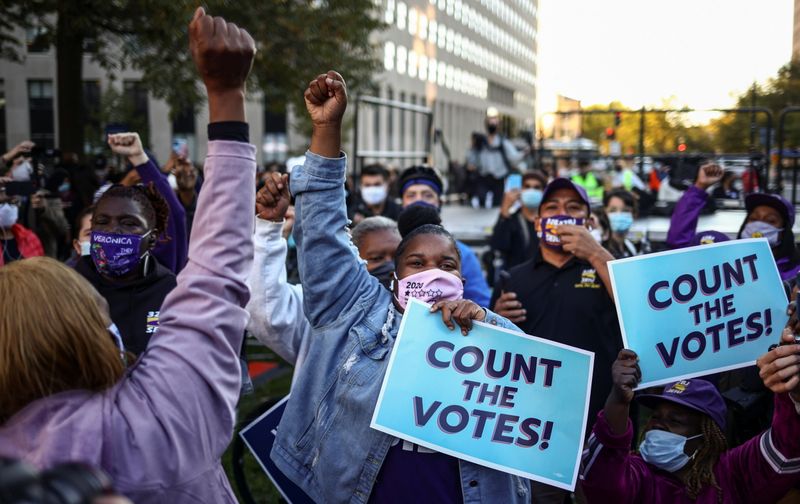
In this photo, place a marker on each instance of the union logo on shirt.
(152, 322)
(588, 280)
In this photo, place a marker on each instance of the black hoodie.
(135, 307)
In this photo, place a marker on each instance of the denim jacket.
(324, 443)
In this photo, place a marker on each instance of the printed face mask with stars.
(430, 286)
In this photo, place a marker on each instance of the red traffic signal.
(682, 147)
(610, 133)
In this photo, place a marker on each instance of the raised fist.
(326, 99)
(708, 175)
(273, 199)
(128, 145)
(222, 52)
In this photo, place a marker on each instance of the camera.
(69, 483)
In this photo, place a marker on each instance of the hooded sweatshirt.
(135, 307)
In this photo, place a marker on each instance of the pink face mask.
(429, 286)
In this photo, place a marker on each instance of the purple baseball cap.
(708, 237)
(779, 203)
(699, 395)
(565, 183)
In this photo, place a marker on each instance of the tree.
(296, 39)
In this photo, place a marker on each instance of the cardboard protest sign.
(497, 398)
(259, 437)
(701, 310)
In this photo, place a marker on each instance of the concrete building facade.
(458, 57)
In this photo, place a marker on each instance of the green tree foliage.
(296, 39)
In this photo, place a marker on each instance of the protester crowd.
(127, 299)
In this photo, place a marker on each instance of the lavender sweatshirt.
(161, 430)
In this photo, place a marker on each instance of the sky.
(701, 52)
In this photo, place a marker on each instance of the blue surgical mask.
(760, 229)
(620, 222)
(531, 198)
(665, 450)
(290, 242)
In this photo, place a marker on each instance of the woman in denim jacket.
(324, 443)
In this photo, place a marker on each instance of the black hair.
(376, 169)
(425, 229)
(89, 210)
(536, 175)
(415, 216)
(153, 204)
(627, 197)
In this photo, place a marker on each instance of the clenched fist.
(326, 101)
(128, 145)
(272, 200)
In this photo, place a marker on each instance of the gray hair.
(371, 225)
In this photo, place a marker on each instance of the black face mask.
(491, 128)
(384, 274)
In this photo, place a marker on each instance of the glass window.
(442, 36)
(36, 39)
(402, 12)
(402, 59)
(40, 110)
(423, 67)
(136, 97)
(388, 55)
(389, 14)
(432, 27)
(412, 64)
(423, 26)
(412, 21)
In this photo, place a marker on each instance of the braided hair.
(154, 206)
(701, 472)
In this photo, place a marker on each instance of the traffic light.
(617, 118)
(681, 147)
(611, 133)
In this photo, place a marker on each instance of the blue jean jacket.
(324, 443)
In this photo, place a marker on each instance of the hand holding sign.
(463, 311)
(780, 367)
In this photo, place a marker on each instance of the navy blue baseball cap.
(565, 183)
(697, 394)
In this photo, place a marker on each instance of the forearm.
(683, 223)
(616, 413)
(326, 140)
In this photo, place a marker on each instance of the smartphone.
(19, 188)
(180, 147)
(513, 181)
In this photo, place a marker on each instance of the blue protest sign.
(701, 310)
(497, 398)
(259, 437)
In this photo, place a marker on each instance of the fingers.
(447, 313)
(627, 355)
(464, 314)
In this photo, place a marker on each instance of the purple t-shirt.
(412, 473)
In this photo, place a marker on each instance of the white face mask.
(597, 234)
(22, 172)
(86, 248)
(374, 194)
(173, 181)
(8, 215)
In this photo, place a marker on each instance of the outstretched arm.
(334, 279)
(683, 223)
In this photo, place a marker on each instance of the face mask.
(114, 254)
(620, 221)
(22, 172)
(173, 182)
(429, 286)
(86, 248)
(597, 234)
(65, 187)
(8, 215)
(665, 450)
(290, 242)
(549, 232)
(384, 274)
(491, 128)
(373, 195)
(531, 198)
(758, 229)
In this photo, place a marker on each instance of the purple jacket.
(161, 430)
(171, 253)
(763, 469)
(683, 227)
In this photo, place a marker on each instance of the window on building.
(40, 110)
(138, 111)
(3, 141)
(36, 39)
(90, 115)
